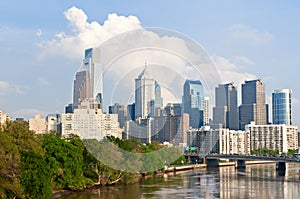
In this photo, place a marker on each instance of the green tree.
(35, 176)
(9, 168)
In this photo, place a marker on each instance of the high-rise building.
(282, 106)
(206, 110)
(131, 111)
(88, 80)
(82, 87)
(148, 98)
(253, 107)
(192, 102)
(225, 114)
(38, 124)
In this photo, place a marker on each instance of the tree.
(35, 176)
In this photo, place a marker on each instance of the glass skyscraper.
(192, 102)
(282, 106)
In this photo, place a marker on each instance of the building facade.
(225, 113)
(192, 102)
(38, 124)
(282, 106)
(253, 107)
(88, 122)
(279, 137)
(145, 95)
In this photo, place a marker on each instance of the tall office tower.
(121, 110)
(206, 111)
(253, 107)
(225, 114)
(191, 102)
(88, 81)
(144, 94)
(282, 106)
(82, 87)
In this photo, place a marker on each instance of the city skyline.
(259, 47)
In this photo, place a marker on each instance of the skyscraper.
(82, 87)
(253, 107)
(191, 101)
(206, 111)
(88, 80)
(226, 112)
(282, 106)
(148, 98)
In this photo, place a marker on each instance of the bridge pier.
(241, 164)
(212, 163)
(280, 166)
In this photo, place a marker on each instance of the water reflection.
(256, 181)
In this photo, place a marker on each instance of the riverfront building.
(221, 141)
(279, 137)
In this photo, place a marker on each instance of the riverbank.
(171, 169)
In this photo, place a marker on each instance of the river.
(257, 181)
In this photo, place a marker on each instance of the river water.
(257, 181)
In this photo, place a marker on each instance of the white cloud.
(39, 33)
(229, 72)
(86, 34)
(250, 35)
(243, 60)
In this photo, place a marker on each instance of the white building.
(3, 118)
(88, 122)
(38, 124)
(276, 137)
(234, 142)
(206, 111)
(222, 141)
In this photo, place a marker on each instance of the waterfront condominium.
(253, 107)
(282, 106)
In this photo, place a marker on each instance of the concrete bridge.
(212, 160)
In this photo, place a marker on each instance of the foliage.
(291, 152)
(265, 151)
(35, 176)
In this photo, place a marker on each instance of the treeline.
(34, 166)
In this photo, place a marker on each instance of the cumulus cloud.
(250, 35)
(230, 72)
(86, 34)
(243, 60)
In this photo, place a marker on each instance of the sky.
(42, 43)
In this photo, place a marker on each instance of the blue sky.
(246, 39)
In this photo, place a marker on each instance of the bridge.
(212, 160)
